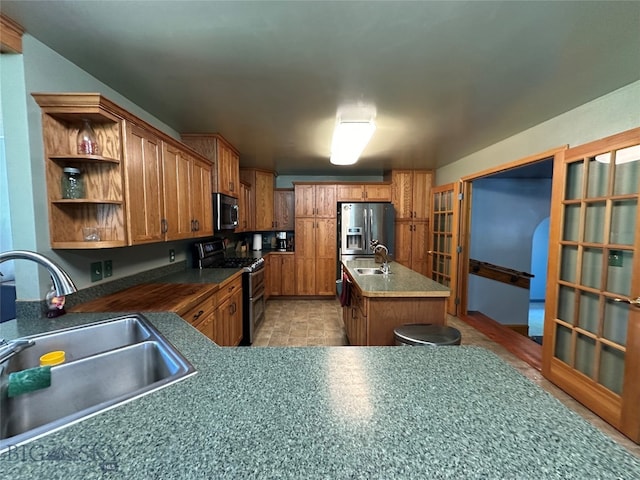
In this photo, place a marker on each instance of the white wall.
(505, 214)
(613, 113)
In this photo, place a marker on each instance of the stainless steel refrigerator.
(362, 222)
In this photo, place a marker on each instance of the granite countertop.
(324, 412)
(401, 282)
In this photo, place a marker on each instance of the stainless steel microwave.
(225, 212)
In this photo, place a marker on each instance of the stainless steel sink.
(369, 271)
(120, 360)
(84, 341)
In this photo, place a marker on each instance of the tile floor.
(319, 323)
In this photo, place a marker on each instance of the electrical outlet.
(96, 271)
(108, 268)
(172, 255)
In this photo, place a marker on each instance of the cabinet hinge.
(457, 301)
(458, 249)
(460, 196)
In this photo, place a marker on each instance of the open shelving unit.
(103, 206)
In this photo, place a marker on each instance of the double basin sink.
(107, 363)
(370, 271)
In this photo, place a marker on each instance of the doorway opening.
(503, 267)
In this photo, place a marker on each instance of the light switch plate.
(108, 268)
(615, 258)
(96, 271)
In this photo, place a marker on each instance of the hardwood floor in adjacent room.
(297, 323)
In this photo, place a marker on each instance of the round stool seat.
(426, 334)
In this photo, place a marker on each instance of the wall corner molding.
(10, 35)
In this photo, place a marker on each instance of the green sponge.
(29, 380)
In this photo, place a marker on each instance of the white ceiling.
(446, 78)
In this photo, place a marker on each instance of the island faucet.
(61, 280)
(377, 247)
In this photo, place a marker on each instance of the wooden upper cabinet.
(141, 186)
(261, 197)
(264, 200)
(177, 204)
(411, 193)
(144, 185)
(315, 200)
(284, 209)
(224, 156)
(368, 192)
(246, 217)
(201, 204)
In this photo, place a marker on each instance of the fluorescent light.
(626, 155)
(349, 140)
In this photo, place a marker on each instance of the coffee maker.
(281, 241)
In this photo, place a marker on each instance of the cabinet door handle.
(198, 315)
(197, 225)
(164, 225)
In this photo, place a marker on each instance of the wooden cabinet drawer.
(200, 312)
(227, 289)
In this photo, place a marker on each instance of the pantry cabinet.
(411, 197)
(223, 155)
(103, 204)
(316, 239)
(368, 192)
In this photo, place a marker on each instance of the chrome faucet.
(9, 349)
(61, 280)
(385, 255)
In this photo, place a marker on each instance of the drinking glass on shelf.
(90, 234)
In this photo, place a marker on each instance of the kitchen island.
(323, 412)
(374, 305)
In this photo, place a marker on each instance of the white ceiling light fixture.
(354, 128)
(349, 140)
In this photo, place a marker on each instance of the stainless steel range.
(211, 254)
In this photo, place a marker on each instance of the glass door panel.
(627, 170)
(594, 279)
(444, 216)
(595, 225)
(597, 179)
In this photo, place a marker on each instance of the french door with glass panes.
(592, 327)
(444, 239)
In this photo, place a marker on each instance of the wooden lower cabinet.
(371, 320)
(280, 274)
(202, 316)
(355, 318)
(227, 329)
